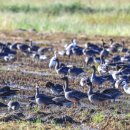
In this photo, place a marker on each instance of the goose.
(73, 44)
(60, 99)
(125, 87)
(125, 70)
(103, 67)
(32, 47)
(77, 50)
(12, 46)
(118, 82)
(96, 97)
(68, 48)
(13, 105)
(83, 81)
(115, 74)
(127, 53)
(104, 52)
(68, 52)
(2, 45)
(7, 51)
(6, 91)
(42, 50)
(56, 89)
(42, 99)
(52, 62)
(92, 46)
(97, 60)
(75, 71)
(89, 60)
(108, 77)
(113, 46)
(9, 58)
(3, 55)
(90, 52)
(72, 95)
(61, 69)
(103, 45)
(125, 58)
(113, 92)
(22, 47)
(115, 58)
(123, 48)
(39, 57)
(97, 80)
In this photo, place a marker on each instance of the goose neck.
(90, 90)
(102, 60)
(37, 92)
(66, 84)
(55, 55)
(126, 88)
(57, 65)
(94, 72)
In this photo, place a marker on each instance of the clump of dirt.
(15, 116)
(50, 118)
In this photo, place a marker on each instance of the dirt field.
(24, 74)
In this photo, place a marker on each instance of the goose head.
(55, 53)
(6, 88)
(88, 82)
(64, 78)
(49, 84)
(111, 41)
(93, 67)
(62, 65)
(103, 43)
(74, 42)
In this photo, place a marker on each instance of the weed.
(98, 117)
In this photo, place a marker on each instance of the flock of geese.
(109, 62)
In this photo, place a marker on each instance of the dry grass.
(91, 17)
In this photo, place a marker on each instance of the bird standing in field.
(13, 105)
(72, 95)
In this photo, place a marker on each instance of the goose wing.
(113, 92)
(78, 94)
(73, 95)
(63, 70)
(2, 105)
(58, 87)
(75, 71)
(100, 97)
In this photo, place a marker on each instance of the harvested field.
(24, 73)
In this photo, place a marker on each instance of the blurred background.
(92, 17)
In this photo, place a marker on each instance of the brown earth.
(21, 73)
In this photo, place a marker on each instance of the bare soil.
(24, 74)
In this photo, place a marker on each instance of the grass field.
(78, 16)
